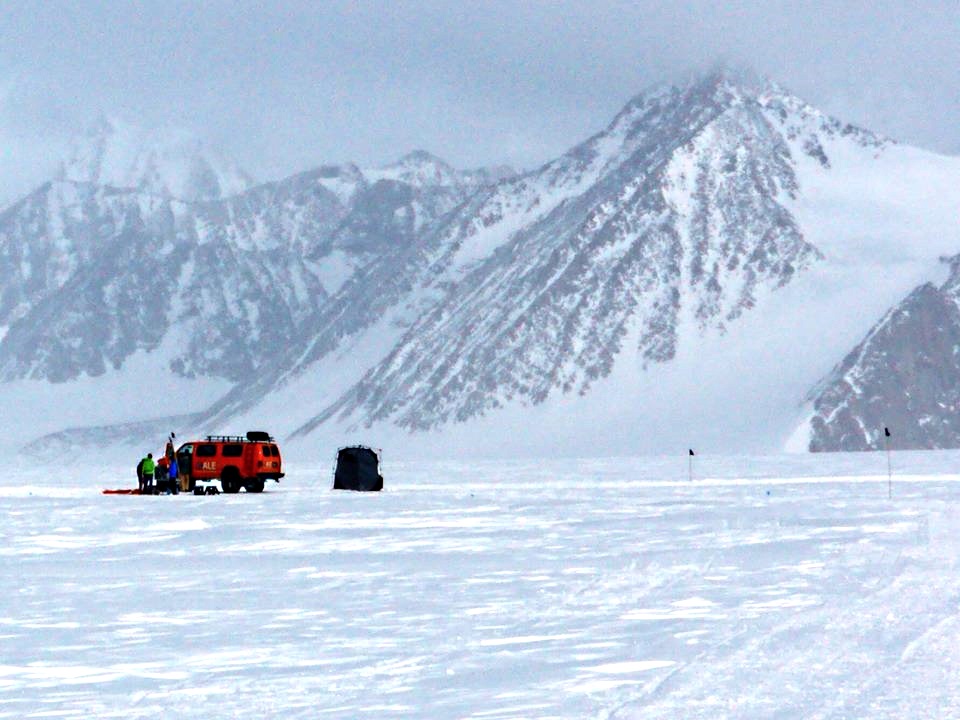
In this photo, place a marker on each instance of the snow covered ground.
(770, 587)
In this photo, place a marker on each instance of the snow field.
(768, 587)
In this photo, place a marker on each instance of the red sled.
(122, 491)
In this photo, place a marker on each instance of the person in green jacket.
(148, 467)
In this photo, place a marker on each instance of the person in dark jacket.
(140, 475)
(165, 484)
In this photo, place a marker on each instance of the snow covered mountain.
(423, 169)
(103, 277)
(673, 217)
(174, 164)
(94, 273)
(905, 374)
(645, 246)
(683, 277)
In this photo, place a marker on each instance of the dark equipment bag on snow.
(358, 468)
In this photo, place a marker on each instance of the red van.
(236, 461)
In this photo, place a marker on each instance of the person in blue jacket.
(173, 473)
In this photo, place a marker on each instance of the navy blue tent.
(358, 468)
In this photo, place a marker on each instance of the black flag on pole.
(691, 453)
(886, 444)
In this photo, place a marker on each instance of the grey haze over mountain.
(133, 246)
(118, 154)
(287, 86)
(416, 298)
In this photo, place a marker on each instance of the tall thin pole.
(690, 466)
(886, 443)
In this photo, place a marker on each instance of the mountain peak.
(420, 168)
(169, 162)
(739, 80)
(422, 160)
(685, 108)
(723, 84)
(420, 157)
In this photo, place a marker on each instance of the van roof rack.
(250, 437)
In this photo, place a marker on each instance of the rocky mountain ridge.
(94, 272)
(416, 298)
(672, 217)
(904, 375)
(118, 154)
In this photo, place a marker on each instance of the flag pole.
(690, 465)
(886, 443)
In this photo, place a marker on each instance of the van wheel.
(255, 486)
(230, 481)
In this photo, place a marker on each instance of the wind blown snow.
(781, 586)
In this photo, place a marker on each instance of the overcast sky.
(291, 85)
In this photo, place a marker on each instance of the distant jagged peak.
(673, 110)
(664, 114)
(953, 262)
(169, 162)
(744, 84)
(419, 158)
(952, 283)
(490, 175)
(739, 80)
(419, 168)
(722, 85)
(342, 180)
(344, 171)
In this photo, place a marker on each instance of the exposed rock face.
(904, 375)
(79, 295)
(673, 217)
(117, 154)
(487, 288)
(94, 273)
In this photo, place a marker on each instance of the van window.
(206, 450)
(276, 450)
(265, 450)
(233, 450)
